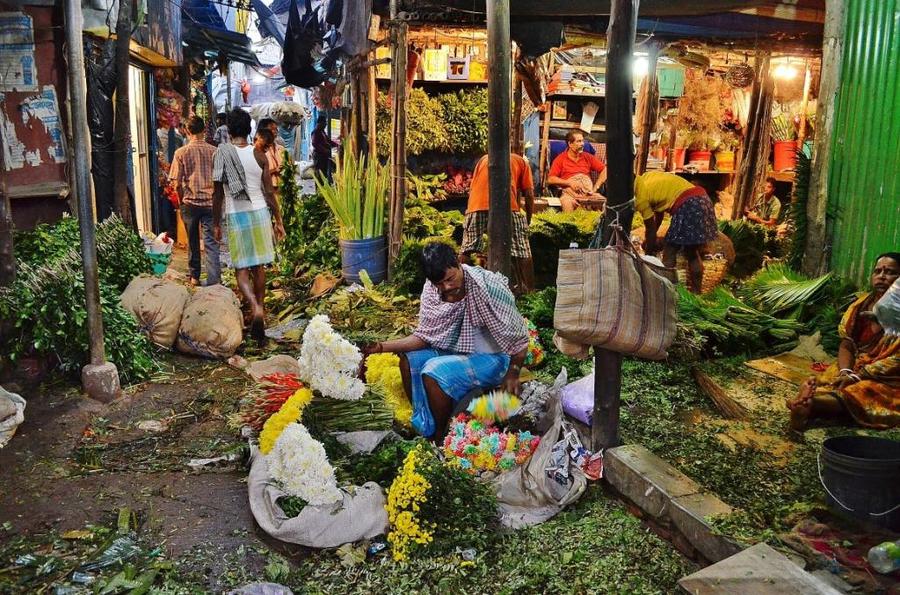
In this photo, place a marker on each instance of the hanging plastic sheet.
(302, 47)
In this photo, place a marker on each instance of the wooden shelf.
(573, 95)
(443, 82)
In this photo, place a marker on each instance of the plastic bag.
(527, 495)
(12, 414)
(887, 310)
(578, 399)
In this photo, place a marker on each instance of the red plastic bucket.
(677, 157)
(700, 158)
(785, 155)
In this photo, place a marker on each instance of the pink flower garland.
(477, 446)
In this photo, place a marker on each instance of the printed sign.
(18, 71)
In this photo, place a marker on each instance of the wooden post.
(758, 140)
(516, 140)
(499, 61)
(543, 165)
(815, 257)
(371, 99)
(620, 185)
(7, 255)
(650, 89)
(399, 32)
(804, 103)
(122, 122)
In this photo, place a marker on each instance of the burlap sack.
(612, 298)
(12, 414)
(212, 325)
(157, 305)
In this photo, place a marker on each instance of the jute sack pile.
(212, 325)
(157, 305)
(612, 298)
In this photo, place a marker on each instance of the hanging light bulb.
(785, 71)
(641, 66)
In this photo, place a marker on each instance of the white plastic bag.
(13, 408)
(887, 310)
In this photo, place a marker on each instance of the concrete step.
(758, 570)
(669, 498)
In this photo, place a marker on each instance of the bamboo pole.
(608, 364)
(499, 62)
(81, 164)
(543, 166)
(371, 100)
(516, 140)
(804, 104)
(650, 111)
(399, 31)
(758, 139)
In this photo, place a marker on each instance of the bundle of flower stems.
(333, 415)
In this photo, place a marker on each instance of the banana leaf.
(777, 288)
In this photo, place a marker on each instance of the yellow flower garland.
(289, 412)
(384, 369)
(405, 496)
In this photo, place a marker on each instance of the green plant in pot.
(784, 137)
(357, 196)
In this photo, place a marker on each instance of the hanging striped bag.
(612, 298)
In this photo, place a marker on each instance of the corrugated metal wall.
(864, 185)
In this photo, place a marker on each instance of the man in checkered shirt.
(470, 338)
(476, 224)
(191, 172)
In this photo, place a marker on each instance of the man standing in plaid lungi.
(476, 224)
(243, 185)
(470, 337)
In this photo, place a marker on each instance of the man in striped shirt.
(191, 171)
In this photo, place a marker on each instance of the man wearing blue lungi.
(470, 336)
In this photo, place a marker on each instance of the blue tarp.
(205, 29)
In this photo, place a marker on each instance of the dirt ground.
(75, 462)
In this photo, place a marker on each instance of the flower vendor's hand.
(366, 351)
(511, 382)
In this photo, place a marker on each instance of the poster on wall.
(34, 113)
(18, 71)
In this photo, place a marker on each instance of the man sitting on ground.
(571, 171)
(470, 336)
(766, 209)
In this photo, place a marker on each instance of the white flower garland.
(328, 362)
(299, 463)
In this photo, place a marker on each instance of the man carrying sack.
(470, 336)
(693, 219)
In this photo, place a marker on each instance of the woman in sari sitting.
(864, 383)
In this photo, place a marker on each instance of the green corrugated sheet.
(864, 184)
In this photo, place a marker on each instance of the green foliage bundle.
(324, 415)
(465, 116)
(749, 240)
(450, 122)
(731, 326)
(357, 195)
(797, 211)
(380, 466)
(425, 129)
(120, 252)
(554, 231)
(45, 307)
(310, 245)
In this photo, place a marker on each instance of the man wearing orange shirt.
(476, 224)
(571, 171)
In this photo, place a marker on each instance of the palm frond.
(777, 288)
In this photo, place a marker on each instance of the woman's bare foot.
(801, 407)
